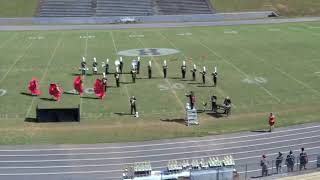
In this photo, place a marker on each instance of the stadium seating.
(171, 7)
(66, 8)
(124, 8)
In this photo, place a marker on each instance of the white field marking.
(274, 30)
(15, 62)
(8, 40)
(158, 144)
(87, 36)
(281, 71)
(3, 92)
(160, 155)
(126, 164)
(239, 70)
(185, 34)
(84, 77)
(36, 37)
(136, 36)
(45, 72)
(294, 28)
(230, 32)
(317, 72)
(173, 45)
(314, 27)
(162, 149)
(166, 80)
(116, 52)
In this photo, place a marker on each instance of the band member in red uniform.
(34, 87)
(272, 120)
(55, 91)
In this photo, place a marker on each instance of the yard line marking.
(84, 77)
(158, 144)
(166, 80)
(160, 155)
(116, 52)
(45, 71)
(173, 45)
(15, 62)
(8, 40)
(162, 149)
(239, 70)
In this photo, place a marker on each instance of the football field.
(262, 68)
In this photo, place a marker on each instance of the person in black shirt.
(164, 67)
(214, 103)
(215, 78)
(121, 65)
(303, 159)
(279, 160)
(203, 73)
(227, 106)
(149, 70)
(183, 69)
(117, 77)
(133, 105)
(194, 70)
(138, 66)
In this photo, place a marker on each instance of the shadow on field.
(260, 131)
(29, 119)
(88, 97)
(174, 78)
(194, 83)
(186, 80)
(126, 82)
(70, 93)
(216, 115)
(123, 114)
(26, 94)
(47, 99)
(206, 86)
(177, 120)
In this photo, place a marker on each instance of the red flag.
(34, 87)
(77, 85)
(55, 91)
(98, 89)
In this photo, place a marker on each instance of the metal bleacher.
(65, 8)
(124, 8)
(172, 7)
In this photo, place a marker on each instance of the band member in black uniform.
(83, 66)
(183, 69)
(149, 70)
(194, 70)
(133, 105)
(165, 68)
(227, 105)
(138, 66)
(94, 66)
(214, 103)
(134, 75)
(215, 78)
(105, 81)
(121, 65)
(203, 73)
(117, 77)
(106, 67)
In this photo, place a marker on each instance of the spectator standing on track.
(272, 121)
(303, 159)
(290, 160)
(264, 166)
(279, 160)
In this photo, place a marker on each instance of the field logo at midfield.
(255, 80)
(148, 52)
(3, 92)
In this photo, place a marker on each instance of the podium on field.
(191, 116)
(45, 114)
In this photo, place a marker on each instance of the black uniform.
(138, 67)
(303, 159)
(133, 106)
(165, 67)
(203, 73)
(193, 74)
(106, 69)
(104, 81)
(279, 160)
(117, 76)
(94, 65)
(133, 75)
(215, 77)
(83, 67)
(192, 99)
(214, 103)
(149, 71)
(227, 106)
(183, 71)
(290, 161)
(121, 66)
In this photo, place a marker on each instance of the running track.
(106, 161)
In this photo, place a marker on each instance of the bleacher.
(171, 7)
(66, 8)
(124, 8)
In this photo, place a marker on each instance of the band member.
(183, 69)
(203, 73)
(121, 65)
(117, 77)
(55, 91)
(83, 66)
(194, 70)
(94, 66)
(138, 65)
(214, 103)
(133, 105)
(164, 67)
(192, 99)
(105, 65)
(105, 81)
(272, 120)
(34, 87)
(227, 105)
(134, 75)
(149, 70)
(215, 76)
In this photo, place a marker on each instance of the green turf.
(283, 7)
(18, 8)
(285, 55)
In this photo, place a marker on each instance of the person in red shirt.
(272, 120)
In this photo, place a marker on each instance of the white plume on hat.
(194, 66)
(184, 63)
(83, 59)
(150, 63)
(107, 61)
(204, 68)
(95, 59)
(104, 74)
(120, 59)
(138, 58)
(164, 62)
